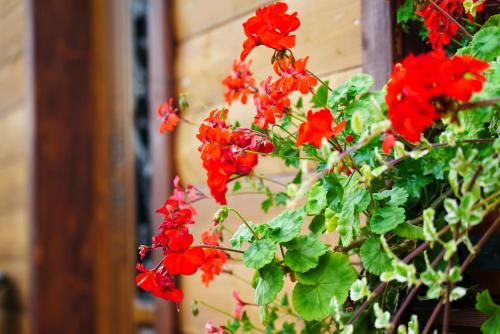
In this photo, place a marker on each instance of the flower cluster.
(240, 84)
(441, 28)
(317, 127)
(168, 116)
(179, 256)
(226, 151)
(418, 83)
(270, 26)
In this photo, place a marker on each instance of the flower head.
(271, 103)
(159, 283)
(168, 116)
(441, 28)
(270, 26)
(317, 127)
(240, 84)
(293, 75)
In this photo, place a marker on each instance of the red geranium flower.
(168, 116)
(212, 329)
(240, 84)
(240, 304)
(388, 143)
(418, 81)
(271, 103)
(441, 28)
(317, 127)
(271, 27)
(293, 75)
(180, 259)
(158, 283)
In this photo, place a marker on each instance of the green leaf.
(493, 21)
(269, 284)
(242, 235)
(398, 196)
(320, 98)
(406, 12)
(303, 253)
(316, 199)
(236, 186)
(317, 225)
(485, 304)
(332, 277)
(386, 219)
(486, 44)
(346, 92)
(374, 259)
(286, 225)
(410, 231)
(260, 253)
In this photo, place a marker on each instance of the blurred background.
(83, 167)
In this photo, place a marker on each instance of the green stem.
(222, 248)
(319, 79)
(244, 222)
(216, 309)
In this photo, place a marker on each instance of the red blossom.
(418, 82)
(270, 26)
(317, 127)
(441, 28)
(388, 143)
(293, 75)
(158, 283)
(271, 103)
(168, 116)
(212, 329)
(180, 259)
(240, 84)
(224, 152)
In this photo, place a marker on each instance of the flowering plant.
(401, 176)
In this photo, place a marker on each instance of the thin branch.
(476, 104)
(222, 248)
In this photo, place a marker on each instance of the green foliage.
(316, 199)
(332, 277)
(320, 97)
(374, 259)
(242, 235)
(386, 219)
(409, 231)
(269, 284)
(485, 44)
(260, 253)
(303, 253)
(347, 92)
(286, 225)
(397, 196)
(485, 304)
(406, 13)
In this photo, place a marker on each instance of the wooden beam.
(82, 213)
(377, 39)
(161, 86)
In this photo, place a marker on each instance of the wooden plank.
(12, 84)
(186, 153)
(193, 17)
(330, 34)
(13, 28)
(13, 127)
(82, 167)
(161, 85)
(377, 27)
(13, 187)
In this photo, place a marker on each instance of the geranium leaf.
(346, 92)
(374, 259)
(260, 253)
(485, 44)
(332, 277)
(386, 219)
(316, 199)
(409, 231)
(303, 253)
(269, 284)
(397, 196)
(485, 304)
(286, 225)
(242, 235)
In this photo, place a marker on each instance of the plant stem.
(321, 81)
(484, 103)
(271, 180)
(244, 222)
(433, 316)
(451, 18)
(222, 248)
(216, 309)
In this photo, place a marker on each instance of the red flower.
(317, 127)
(418, 81)
(388, 144)
(184, 196)
(212, 329)
(441, 28)
(180, 259)
(293, 75)
(240, 304)
(168, 116)
(158, 283)
(214, 258)
(271, 27)
(270, 104)
(224, 152)
(240, 84)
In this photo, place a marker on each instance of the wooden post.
(161, 87)
(81, 160)
(377, 39)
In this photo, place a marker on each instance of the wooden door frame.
(82, 217)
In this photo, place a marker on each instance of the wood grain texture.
(193, 17)
(187, 157)
(13, 129)
(330, 34)
(12, 26)
(12, 84)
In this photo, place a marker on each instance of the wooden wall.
(13, 151)
(209, 37)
